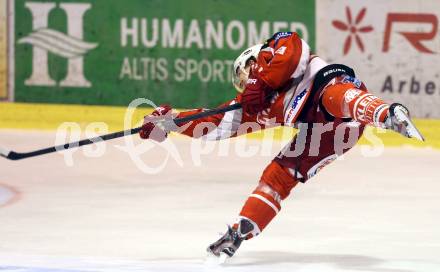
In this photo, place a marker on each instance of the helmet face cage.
(241, 68)
(240, 77)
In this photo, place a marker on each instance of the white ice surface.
(104, 214)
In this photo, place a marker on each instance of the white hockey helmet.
(241, 68)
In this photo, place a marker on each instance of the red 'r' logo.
(415, 38)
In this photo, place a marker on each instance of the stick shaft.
(178, 121)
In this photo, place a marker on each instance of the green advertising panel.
(169, 51)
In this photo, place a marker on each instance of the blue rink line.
(37, 269)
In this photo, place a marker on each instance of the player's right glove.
(152, 128)
(256, 96)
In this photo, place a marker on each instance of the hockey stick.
(12, 155)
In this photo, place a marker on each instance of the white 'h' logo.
(70, 46)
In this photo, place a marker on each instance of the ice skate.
(226, 245)
(398, 119)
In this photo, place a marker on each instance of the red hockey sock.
(264, 202)
(260, 208)
(345, 100)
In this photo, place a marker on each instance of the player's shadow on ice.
(348, 262)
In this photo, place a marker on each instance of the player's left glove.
(152, 128)
(256, 96)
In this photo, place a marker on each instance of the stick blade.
(10, 155)
(14, 156)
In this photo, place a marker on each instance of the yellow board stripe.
(50, 117)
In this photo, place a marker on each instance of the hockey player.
(282, 83)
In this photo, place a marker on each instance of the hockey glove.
(256, 95)
(152, 128)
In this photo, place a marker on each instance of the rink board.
(169, 51)
(3, 51)
(392, 45)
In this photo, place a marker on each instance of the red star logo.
(353, 28)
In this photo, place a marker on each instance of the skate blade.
(213, 260)
(410, 129)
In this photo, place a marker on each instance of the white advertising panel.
(394, 47)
